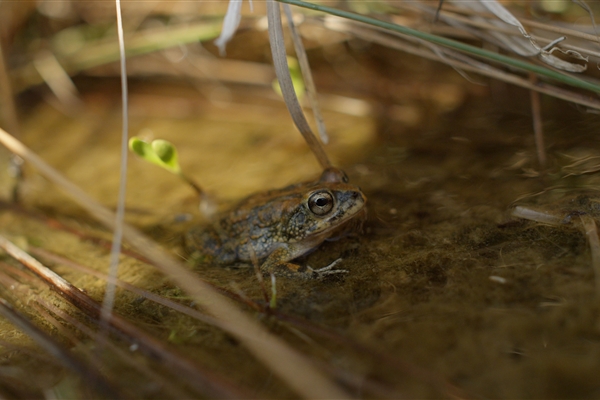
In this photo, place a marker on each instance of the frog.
(278, 226)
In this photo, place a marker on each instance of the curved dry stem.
(311, 89)
(287, 88)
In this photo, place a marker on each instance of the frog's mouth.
(351, 226)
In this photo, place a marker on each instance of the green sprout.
(164, 154)
(159, 152)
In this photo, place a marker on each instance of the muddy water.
(447, 293)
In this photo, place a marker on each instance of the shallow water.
(447, 294)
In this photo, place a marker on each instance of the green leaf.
(159, 152)
(167, 154)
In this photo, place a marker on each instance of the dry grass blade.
(311, 90)
(464, 63)
(115, 250)
(292, 367)
(503, 29)
(125, 357)
(203, 381)
(50, 345)
(285, 82)
(41, 305)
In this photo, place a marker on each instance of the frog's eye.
(320, 203)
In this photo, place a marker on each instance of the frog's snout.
(351, 200)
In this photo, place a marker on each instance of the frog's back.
(252, 230)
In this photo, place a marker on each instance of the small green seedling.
(164, 154)
(159, 152)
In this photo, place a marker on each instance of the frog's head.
(326, 208)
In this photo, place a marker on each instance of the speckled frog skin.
(277, 226)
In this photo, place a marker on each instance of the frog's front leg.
(277, 263)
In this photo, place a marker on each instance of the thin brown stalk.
(538, 129)
(292, 367)
(591, 232)
(94, 362)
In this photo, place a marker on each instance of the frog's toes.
(328, 270)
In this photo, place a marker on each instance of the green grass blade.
(472, 50)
